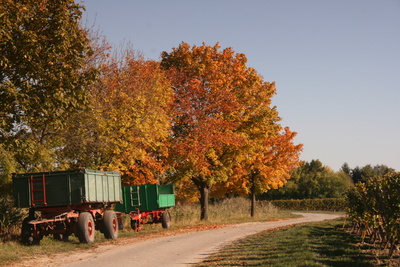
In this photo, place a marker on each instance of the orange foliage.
(225, 132)
(186, 191)
(206, 82)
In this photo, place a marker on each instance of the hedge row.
(10, 220)
(325, 204)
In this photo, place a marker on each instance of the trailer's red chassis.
(149, 217)
(61, 222)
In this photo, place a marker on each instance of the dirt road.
(176, 250)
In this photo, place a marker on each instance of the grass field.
(314, 244)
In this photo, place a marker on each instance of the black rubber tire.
(166, 220)
(110, 224)
(26, 230)
(86, 228)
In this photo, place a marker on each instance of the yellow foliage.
(128, 123)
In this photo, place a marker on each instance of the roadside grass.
(312, 244)
(231, 210)
(14, 251)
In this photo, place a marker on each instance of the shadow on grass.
(336, 248)
(302, 245)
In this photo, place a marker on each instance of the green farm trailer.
(68, 202)
(147, 204)
(81, 201)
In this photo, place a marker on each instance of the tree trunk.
(204, 192)
(204, 203)
(253, 200)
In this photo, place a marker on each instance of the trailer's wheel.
(86, 228)
(166, 220)
(26, 232)
(135, 224)
(110, 223)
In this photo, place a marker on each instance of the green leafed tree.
(7, 167)
(313, 180)
(363, 174)
(43, 76)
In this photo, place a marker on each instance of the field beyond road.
(173, 250)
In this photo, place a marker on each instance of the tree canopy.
(363, 174)
(206, 84)
(43, 76)
(127, 124)
(221, 114)
(313, 180)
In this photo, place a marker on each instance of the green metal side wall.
(75, 187)
(151, 197)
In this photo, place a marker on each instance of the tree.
(275, 158)
(266, 167)
(313, 180)
(356, 174)
(363, 174)
(269, 154)
(346, 168)
(207, 83)
(43, 76)
(222, 117)
(127, 125)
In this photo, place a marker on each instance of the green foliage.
(325, 204)
(6, 169)
(313, 180)
(362, 174)
(10, 220)
(43, 76)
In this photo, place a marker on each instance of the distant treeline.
(313, 180)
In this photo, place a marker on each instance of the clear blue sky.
(336, 63)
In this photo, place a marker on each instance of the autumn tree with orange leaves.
(216, 116)
(266, 164)
(126, 127)
(205, 113)
(268, 153)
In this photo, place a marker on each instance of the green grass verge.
(314, 244)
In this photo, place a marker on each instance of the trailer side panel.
(64, 188)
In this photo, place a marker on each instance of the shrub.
(324, 204)
(10, 220)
